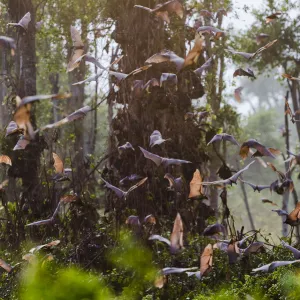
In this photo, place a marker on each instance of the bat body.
(223, 137)
(162, 160)
(295, 251)
(242, 72)
(23, 23)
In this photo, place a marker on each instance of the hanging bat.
(223, 137)
(78, 49)
(211, 31)
(261, 150)
(156, 138)
(47, 221)
(260, 38)
(162, 10)
(163, 160)
(8, 42)
(295, 251)
(23, 23)
(250, 56)
(121, 194)
(206, 261)
(126, 146)
(166, 56)
(230, 180)
(214, 229)
(208, 64)
(176, 184)
(290, 77)
(273, 17)
(272, 266)
(62, 174)
(238, 94)
(242, 72)
(176, 240)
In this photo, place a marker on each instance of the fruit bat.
(223, 137)
(23, 23)
(156, 138)
(242, 72)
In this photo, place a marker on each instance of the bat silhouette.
(206, 261)
(292, 219)
(162, 10)
(242, 72)
(223, 137)
(176, 184)
(268, 201)
(23, 23)
(272, 266)
(250, 56)
(230, 180)
(261, 150)
(204, 67)
(156, 138)
(121, 194)
(295, 251)
(8, 42)
(163, 160)
(176, 240)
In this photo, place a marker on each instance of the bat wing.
(243, 54)
(295, 251)
(137, 185)
(159, 238)
(280, 212)
(230, 138)
(214, 229)
(173, 161)
(253, 248)
(42, 222)
(89, 79)
(216, 138)
(219, 182)
(168, 270)
(264, 48)
(156, 138)
(144, 8)
(204, 67)
(120, 194)
(155, 158)
(235, 177)
(171, 180)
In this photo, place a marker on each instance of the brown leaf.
(58, 164)
(196, 188)
(177, 234)
(4, 159)
(272, 17)
(206, 260)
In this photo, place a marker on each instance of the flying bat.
(272, 17)
(172, 270)
(176, 184)
(230, 180)
(156, 138)
(62, 174)
(223, 137)
(290, 77)
(295, 251)
(8, 42)
(163, 160)
(272, 266)
(261, 150)
(130, 178)
(121, 194)
(250, 56)
(126, 146)
(242, 72)
(162, 10)
(176, 240)
(268, 201)
(23, 23)
(290, 112)
(211, 30)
